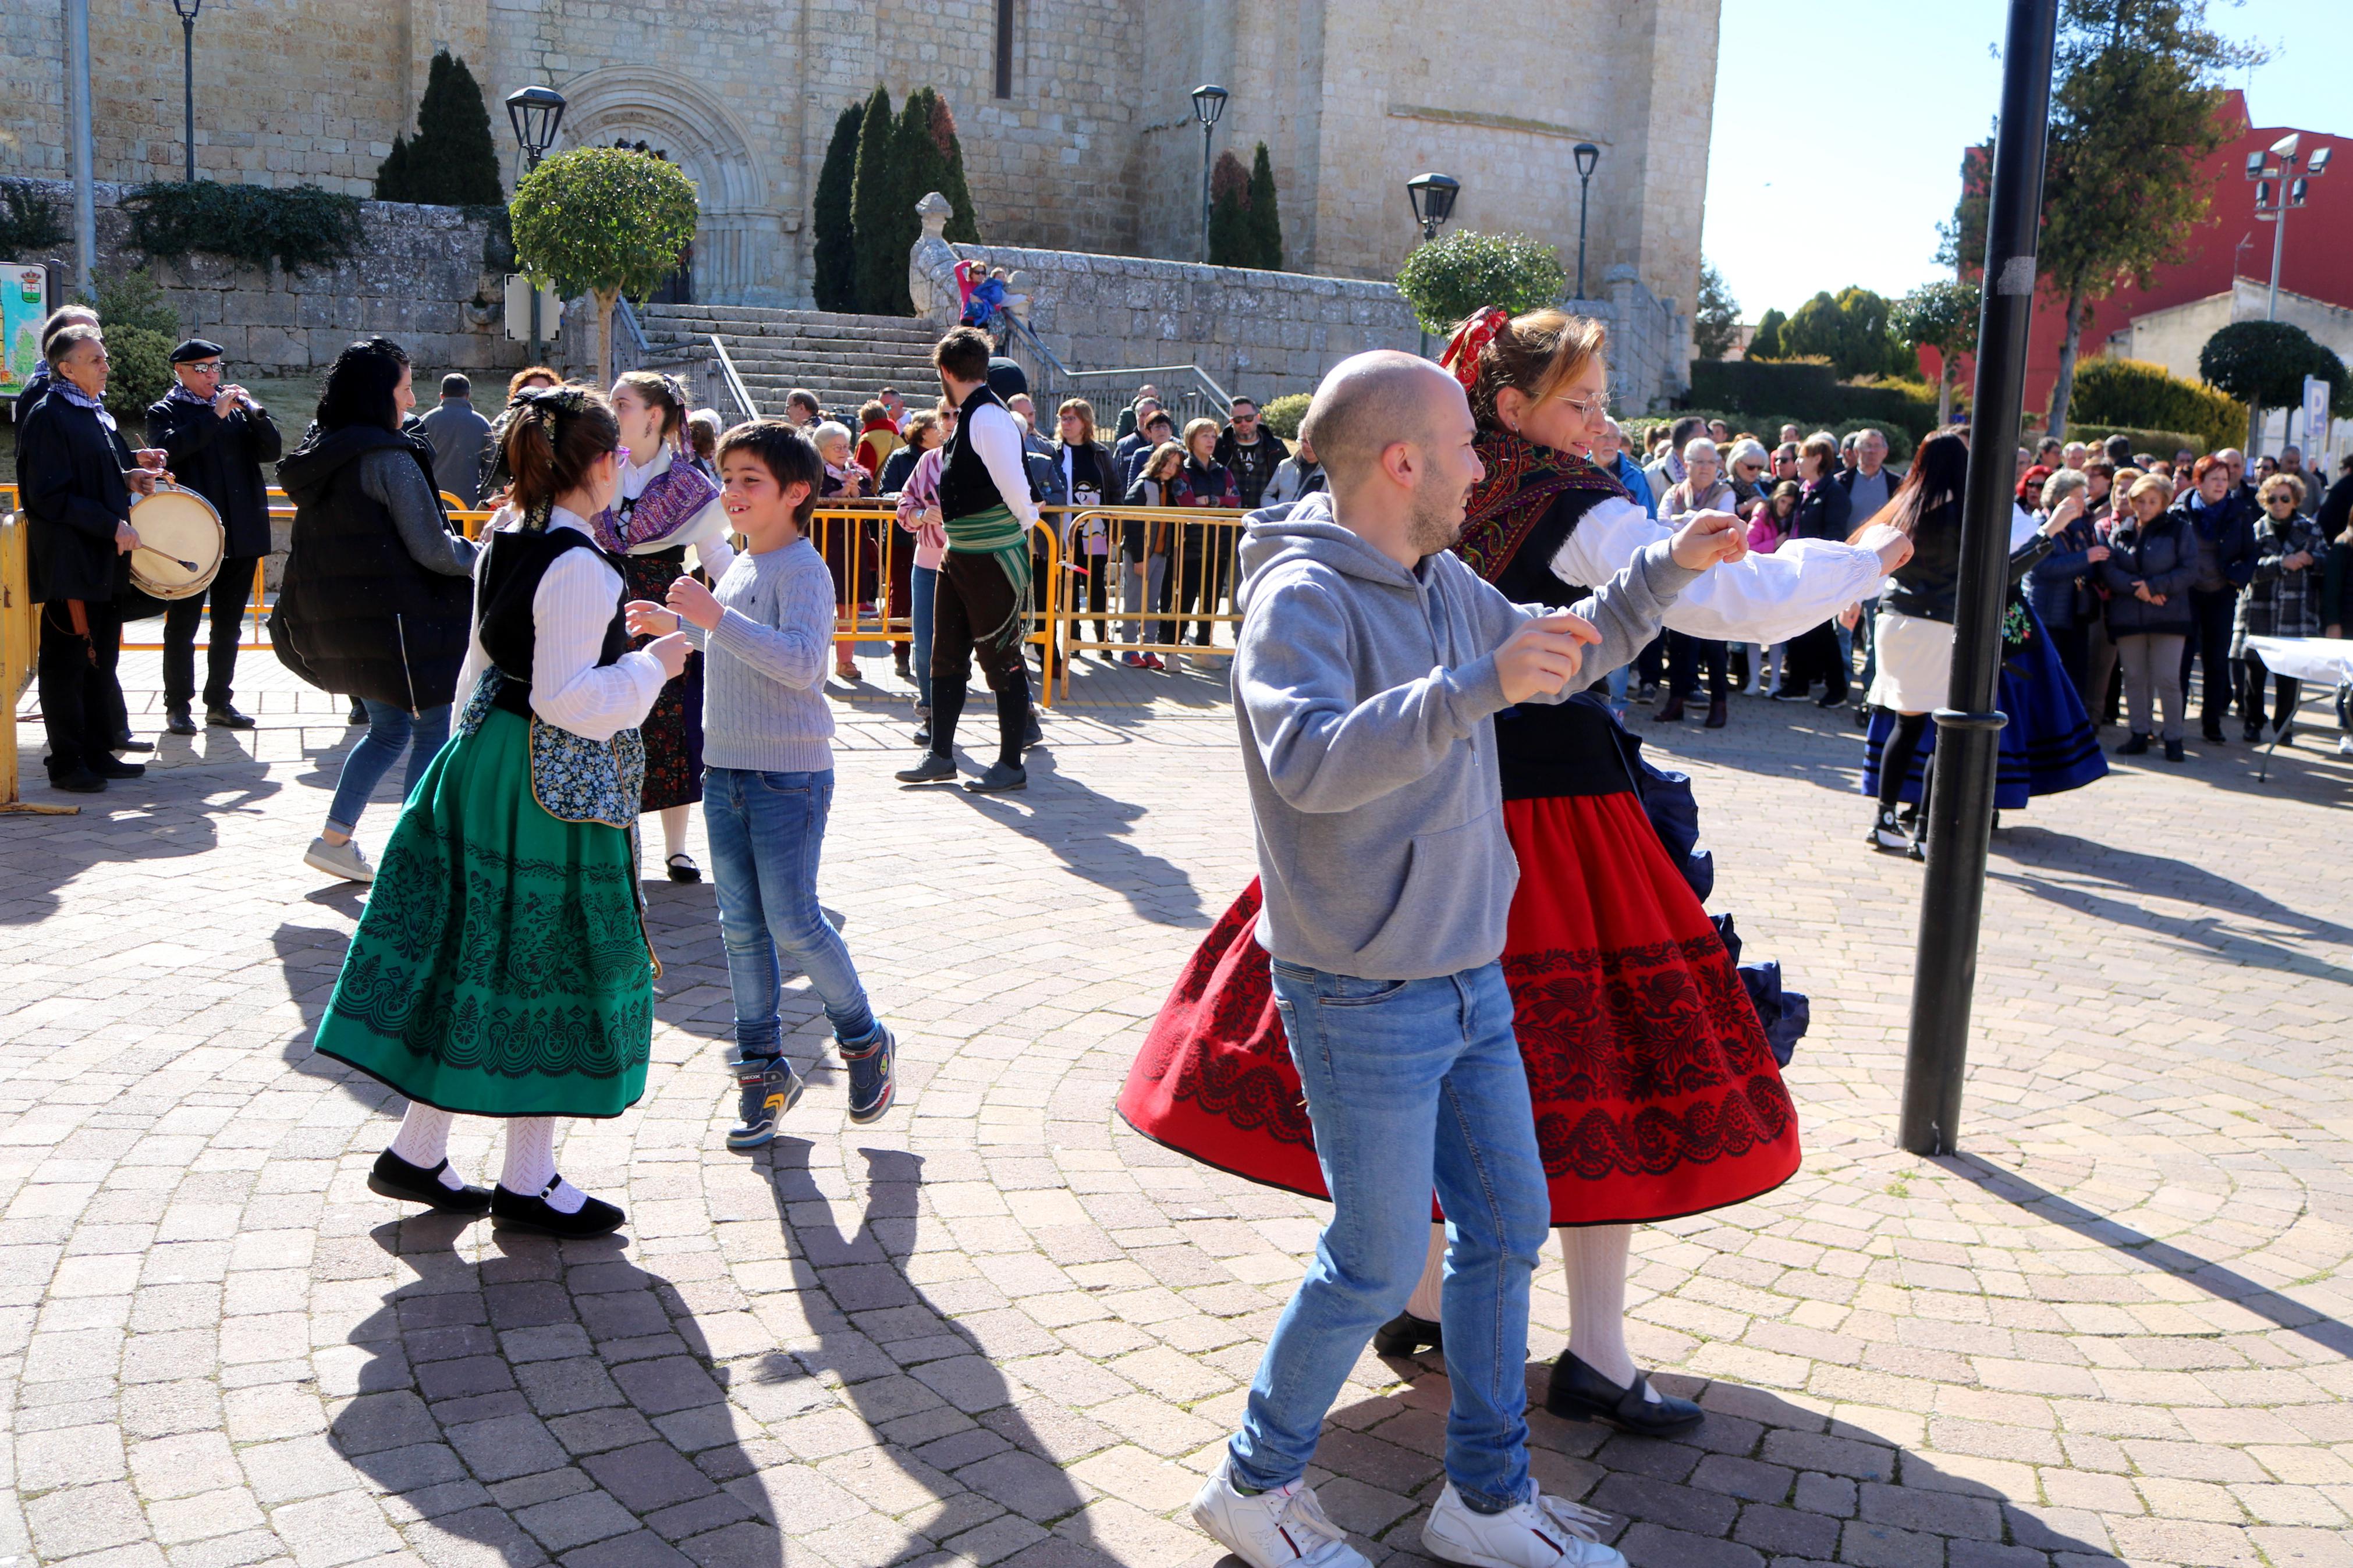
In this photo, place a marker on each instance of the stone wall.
(1262, 334)
(417, 280)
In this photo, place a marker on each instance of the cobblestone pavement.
(998, 1327)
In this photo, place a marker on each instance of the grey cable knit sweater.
(764, 706)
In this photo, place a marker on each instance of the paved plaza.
(998, 1327)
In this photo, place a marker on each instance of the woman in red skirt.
(1656, 1094)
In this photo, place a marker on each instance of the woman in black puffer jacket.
(2152, 562)
(378, 595)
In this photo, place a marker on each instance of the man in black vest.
(218, 438)
(984, 589)
(75, 476)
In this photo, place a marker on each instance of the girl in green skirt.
(501, 967)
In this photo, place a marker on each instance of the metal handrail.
(1208, 382)
(736, 387)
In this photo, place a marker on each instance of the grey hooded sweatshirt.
(1366, 696)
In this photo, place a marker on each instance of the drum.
(176, 526)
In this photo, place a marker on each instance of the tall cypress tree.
(923, 166)
(964, 225)
(874, 198)
(836, 282)
(1231, 242)
(1265, 220)
(451, 158)
(393, 180)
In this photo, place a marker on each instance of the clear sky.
(1838, 171)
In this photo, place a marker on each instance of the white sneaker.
(2345, 745)
(1281, 1529)
(1542, 1532)
(346, 859)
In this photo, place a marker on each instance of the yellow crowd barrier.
(1194, 550)
(19, 640)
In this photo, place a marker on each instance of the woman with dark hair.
(501, 967)
(1083, 477)
(2048, 744)
(2223, 526)
(666, 507)
(375, 592)
(1822, 513)
(1657, 1094)
(495, 478)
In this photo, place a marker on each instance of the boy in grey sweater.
(1370, 669)
(767, 754)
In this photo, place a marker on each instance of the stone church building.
(1078, 128)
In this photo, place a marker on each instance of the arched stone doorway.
(739, 254)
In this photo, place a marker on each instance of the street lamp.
(1586, 155)
(187, 10)
(1208, 102)
(534, 113)
(1432, 196)
(2279, 187)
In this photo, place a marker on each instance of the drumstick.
(183, 565)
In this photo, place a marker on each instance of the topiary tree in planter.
(1943, 315)
(603, 222)
(1449, 277)
(2264, 363)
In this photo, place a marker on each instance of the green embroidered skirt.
(500, 968)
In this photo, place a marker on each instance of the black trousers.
(2287, 690)
(231, 592)
(2209, 642)
(1686, 656)
(1814, 655)
(2073, 647)
(975, 601)
(81, 702)
(1195, 588)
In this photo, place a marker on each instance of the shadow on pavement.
(1762, 1478)
(553, 1399)
(1089, 832)
(2222, 1284)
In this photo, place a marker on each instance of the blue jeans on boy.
(925, 584)
(766, 832)
(1409, 1084)
(391, 730)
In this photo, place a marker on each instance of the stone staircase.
(844, 359)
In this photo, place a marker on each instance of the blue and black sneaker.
(873, 1084)
(768, 1089)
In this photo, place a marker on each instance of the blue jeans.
(391, 730)
(1410, 1083)
(925, 581)
(766, 832)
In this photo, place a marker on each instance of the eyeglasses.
(209, 367)
(1594, 408)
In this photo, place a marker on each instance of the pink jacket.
(923, 493)
(1764, 536)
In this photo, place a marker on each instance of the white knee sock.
(1427, 1295)
(424, 1141)
(1596, 1255)
(531, 1164)
(673, 827)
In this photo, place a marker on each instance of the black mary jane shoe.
(683, 868)
(1581, 1394)
(1406, 1334)
(513, 1211)
(394, 1177)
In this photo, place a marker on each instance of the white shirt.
(706, 531)
(992, 434)
(1758, 598)
(569, 611)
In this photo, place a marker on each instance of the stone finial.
(934, 211)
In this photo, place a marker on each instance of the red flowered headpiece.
(1479, 329)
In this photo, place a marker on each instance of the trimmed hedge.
(2134, 394)
(1283, 416)
(1809, 392)
(2157, 443)
(293, 225)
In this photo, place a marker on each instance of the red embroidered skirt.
(1655, 1093)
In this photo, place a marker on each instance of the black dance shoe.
(1581, 1394)
(222, 716)
(512, 1211)
(176, 720)
(1405, 1334)
(394, 1177)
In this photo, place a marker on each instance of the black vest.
(509, 629)
(966, 485)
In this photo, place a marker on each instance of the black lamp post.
(1959, 806)
(187, 10)
(1208, 102)
(534, 113)
(1586, 155)
(1433, 198)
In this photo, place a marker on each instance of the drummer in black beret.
(219, 436)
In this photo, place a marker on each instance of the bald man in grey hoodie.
(1370, 666)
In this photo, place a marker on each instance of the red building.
(2318, 262)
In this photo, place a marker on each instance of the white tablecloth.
(2327, 661)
